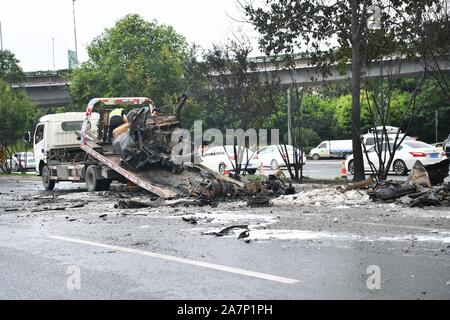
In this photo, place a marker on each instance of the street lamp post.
(1, 37)
(75, 33)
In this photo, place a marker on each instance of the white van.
(332, 149)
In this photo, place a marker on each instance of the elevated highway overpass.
(51, 88)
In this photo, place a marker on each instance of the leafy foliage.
(226, 86)
(133, 58)
(10, 71)
(18, 114)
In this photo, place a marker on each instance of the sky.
(28, 26)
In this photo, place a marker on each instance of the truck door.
(324, 151)
(38, 146)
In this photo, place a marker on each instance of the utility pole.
(289, 114)
(53, 51)
(75, 33)
(1, 37)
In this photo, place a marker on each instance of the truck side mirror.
(27, 136)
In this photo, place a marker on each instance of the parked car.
(370, 140)
(332, 149)
(21, 160)
(222, 158)
(446, 146)
(270, 156)
(405, 157)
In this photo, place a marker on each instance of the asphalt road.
(323, 169)
(327, 169)
(69, 244)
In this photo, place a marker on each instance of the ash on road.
(316, 244)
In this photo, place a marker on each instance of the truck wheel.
(92, 183)
(49, 184)
(315, 156)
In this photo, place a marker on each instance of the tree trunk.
(356, 103)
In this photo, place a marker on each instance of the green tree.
(232, 94)
(286, 25)
(10, 71)
(133, 58)
(18, 114)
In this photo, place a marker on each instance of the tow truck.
(73, 147)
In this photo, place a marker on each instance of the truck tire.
(92, 182)
(49, 184)
(315, 156)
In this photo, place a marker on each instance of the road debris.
(134, 204)
(324, 196)
(244, 235)
(227, 231)
(49, 209)
(425, 187)
(259, 201)
(190, 220)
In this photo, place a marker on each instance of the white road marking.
(202, 264)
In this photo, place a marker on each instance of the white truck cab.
(54, 138)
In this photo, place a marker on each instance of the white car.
(271, 157)
(405, 157)
(20, 160)
(222, 159)
(369, 139)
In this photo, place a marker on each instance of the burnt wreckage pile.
(425, 187)
(146, 149)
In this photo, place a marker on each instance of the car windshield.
(418, 144)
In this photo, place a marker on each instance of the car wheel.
(316, 157)
(351, 167)
(49, 184)
(222, 168)
(252, 171)
(274, 165)
(400, 167)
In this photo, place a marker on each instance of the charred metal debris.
(424, 187)
(145, 148)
